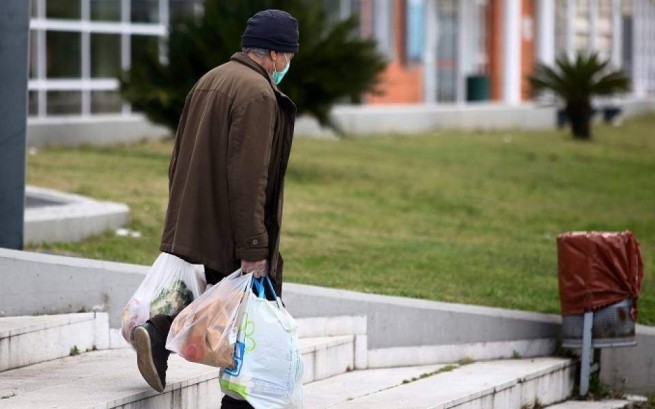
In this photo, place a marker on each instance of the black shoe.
(151, 355)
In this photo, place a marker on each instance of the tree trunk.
(580, 118)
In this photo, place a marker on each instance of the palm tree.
(576, 81)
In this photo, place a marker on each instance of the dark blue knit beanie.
(271, 29)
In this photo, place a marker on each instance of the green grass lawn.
(460, 217)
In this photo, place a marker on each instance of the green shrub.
(334, 64)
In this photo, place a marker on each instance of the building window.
(64, 103)
(105, 55)
(106, 10)
(33, 55)
(33, 103)
(145, 11)
(106, 102)
(415, 30)
(447, 51)
(79, 47)
(383, 26)
(63, 54)
(582, 26)
(63, 9)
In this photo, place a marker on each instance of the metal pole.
(14, 33)
(585, 364)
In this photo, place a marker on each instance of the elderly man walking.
(227, 173)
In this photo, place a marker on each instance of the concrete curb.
(70, 217)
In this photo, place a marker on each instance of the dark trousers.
(163, 323)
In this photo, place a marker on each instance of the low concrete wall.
(368, 120)
(398, 322)
(98, 130)
(410, 119)
(38, 283)
(360, 120)
(631, 368)
(35, 283)
(637, 107)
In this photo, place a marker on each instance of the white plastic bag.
(268, 368)
(170, 285)
(206, 331)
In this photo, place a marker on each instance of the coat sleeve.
(249, 151)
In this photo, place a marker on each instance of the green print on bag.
(235, 387)
(171, 299)
(248, 331)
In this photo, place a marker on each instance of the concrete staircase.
(74, 361)
(65, 361)
(505, 384)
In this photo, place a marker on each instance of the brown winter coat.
(227, 169)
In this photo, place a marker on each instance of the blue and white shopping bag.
(268, 366)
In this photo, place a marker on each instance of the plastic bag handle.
(260, 291)
(259, 287)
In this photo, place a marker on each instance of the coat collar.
(243, 58)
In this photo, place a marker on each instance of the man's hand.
(259, 268)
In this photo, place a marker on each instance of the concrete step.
(506, 384)
(336, 345)
(110, 379)
(327, 356)
(356, 384)
(324, 354)
(605, 404)
(32, 339)
(106, 379)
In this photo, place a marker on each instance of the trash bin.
(477, 88)
(612, 326)
(600, 277)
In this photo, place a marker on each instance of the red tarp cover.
(597, 270)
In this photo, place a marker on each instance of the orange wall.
(400, 84)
